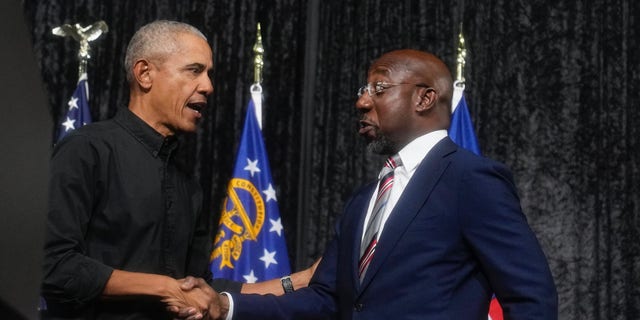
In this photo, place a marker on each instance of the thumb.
(188, 283)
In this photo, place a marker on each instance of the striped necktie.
(370, 239)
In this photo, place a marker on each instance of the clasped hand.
(194, 299)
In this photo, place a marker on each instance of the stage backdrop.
(552, 87)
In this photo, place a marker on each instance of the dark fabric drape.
(552, 87)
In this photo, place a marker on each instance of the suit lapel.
(412, 199)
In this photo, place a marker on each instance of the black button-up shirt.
(117, 200)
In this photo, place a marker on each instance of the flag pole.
(462, 55)
(458, 84)
(258, 64)
(258, 60)
(461, 127)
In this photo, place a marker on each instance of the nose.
(363, 104)
(206, 86)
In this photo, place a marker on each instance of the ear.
(142, 74)
(427, 99)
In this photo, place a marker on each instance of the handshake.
(193, 299)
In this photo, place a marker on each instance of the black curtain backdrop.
(552, 88)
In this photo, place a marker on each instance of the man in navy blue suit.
(451, 232)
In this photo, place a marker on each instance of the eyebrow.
(198, 65)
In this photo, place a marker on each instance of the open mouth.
(365, 127)
(365, 124)
(197, 106)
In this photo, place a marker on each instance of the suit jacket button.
(358, 307)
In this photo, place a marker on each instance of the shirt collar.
(153, 141)
(413, 153)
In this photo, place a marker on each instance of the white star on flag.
(268, 258)
(276, 226)
(68, 125)
(252, 166)
(251, 278)
(270, 193)
(73, 103)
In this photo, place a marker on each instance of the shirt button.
(358, 307)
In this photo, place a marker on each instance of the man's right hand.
(199, 295)
(196, 301)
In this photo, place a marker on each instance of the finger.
(197, 316)
(187, 312)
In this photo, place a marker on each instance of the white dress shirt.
(411, 156)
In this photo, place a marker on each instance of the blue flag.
(78, 113)
(461, 129)
(250, 245)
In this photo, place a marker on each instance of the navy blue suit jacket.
(456, 235)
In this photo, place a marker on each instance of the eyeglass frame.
(384, 86)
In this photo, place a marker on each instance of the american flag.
(78, 113)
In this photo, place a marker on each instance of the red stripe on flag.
(495, 311)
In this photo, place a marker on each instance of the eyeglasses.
(376, 88)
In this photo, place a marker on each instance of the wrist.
(224, 305)
(166, 286)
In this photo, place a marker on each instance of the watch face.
(287, 285)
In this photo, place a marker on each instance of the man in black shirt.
(124, 221)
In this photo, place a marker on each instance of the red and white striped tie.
(370, 239)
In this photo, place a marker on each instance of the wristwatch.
(287, 285)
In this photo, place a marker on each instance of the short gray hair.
(155, 41)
